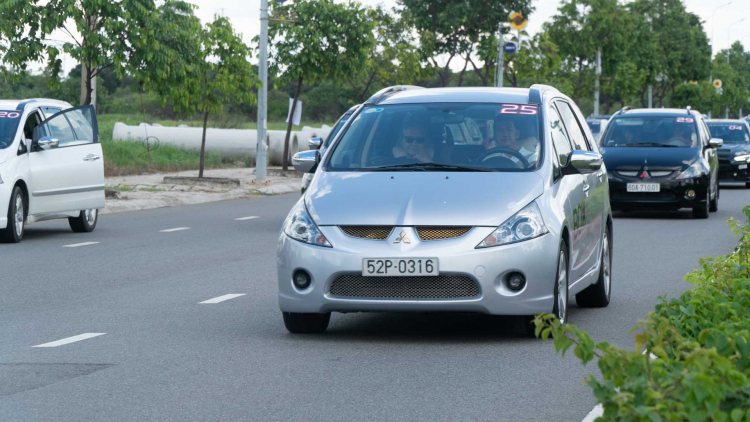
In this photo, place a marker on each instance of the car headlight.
(300, 226)
(523, 225)
(693, 171)
(743, 157)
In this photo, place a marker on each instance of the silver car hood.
(420, 198)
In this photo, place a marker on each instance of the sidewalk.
(149, 191)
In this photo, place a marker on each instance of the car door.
(591, 221)
(571, 186)
(70, 175)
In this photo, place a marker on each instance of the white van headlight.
(523, 225)
(693, 171)
(300, 226)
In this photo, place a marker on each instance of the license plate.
(399, 267)
(742, 166)
(644, 187)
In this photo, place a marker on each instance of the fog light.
(516, 281)
(690, 194)
(301, 279)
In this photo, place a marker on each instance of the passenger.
(414, 144)
(506, 135)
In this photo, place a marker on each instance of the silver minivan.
(490, 200)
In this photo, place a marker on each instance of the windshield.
(730, 133)
(337, 128)
(674, 131)
(8, 124)
(595, 126)
(440, 137)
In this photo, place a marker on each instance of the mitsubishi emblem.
(401, 238)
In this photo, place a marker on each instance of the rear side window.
(559, 137)
(574, 128)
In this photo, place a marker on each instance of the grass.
(126, 158)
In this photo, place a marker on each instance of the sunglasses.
(410, 139)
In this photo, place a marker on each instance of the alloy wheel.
(19, 215)
(607, 263)
(90, 216)
(562, 288)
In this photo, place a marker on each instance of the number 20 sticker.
(9, 115)
(528, 110)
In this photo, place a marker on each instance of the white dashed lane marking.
(76, 245)
(69, 340)
(223, 298)
(176, 229)
(252, 217)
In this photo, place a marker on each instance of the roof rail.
(624, 109)
(385, 92)
(689, 110)
(22, 105)
(537, 91)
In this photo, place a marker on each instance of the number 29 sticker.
(9, 115)
(685, 120)
(527, 110)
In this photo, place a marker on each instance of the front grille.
(368, 232)
(434, 287)
(662, 196)
(437, 233)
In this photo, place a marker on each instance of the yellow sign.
(692, 82)
(517, 21)
(717, 83)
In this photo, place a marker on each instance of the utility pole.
(500, 58)
(650, 87)
(713, 25)
(598, 75)
(729, 50)
(260, 156)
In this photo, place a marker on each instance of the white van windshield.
(9, 120)
(441, 137)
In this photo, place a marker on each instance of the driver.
(681, 134)
(413, 144)
(506, 135)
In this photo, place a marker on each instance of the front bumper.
(730, 171)
(536, 259)
(5, 192)
(672, 194)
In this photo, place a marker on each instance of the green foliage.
(691, 359)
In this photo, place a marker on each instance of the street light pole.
(596, 83)
(260, 156)
(650, 87)
(713, 25)
(729, 48)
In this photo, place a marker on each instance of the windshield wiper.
(650, 144)
(427, 167)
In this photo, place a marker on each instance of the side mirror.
(48, 142)
(306, 161)
(715, 143)
(583, 162)
(315, 143)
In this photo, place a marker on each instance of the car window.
(559, 137)
(502, 137)
(82, 128)
(652, 131)
(336, 129)
(72, 127)
(730, 132)
(9, 121)
(573, 127)
(50, 111)
(60, 128)
(32, 121)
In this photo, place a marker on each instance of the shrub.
(692, 353)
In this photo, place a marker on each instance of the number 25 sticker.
(9, 115)
(528, 110)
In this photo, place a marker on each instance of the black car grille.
(429, 287)
(439, 233)
(664, 195)
(368, 232)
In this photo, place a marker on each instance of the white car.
(50, 166)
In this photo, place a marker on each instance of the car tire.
(598, 295)
(14, 230)
(701, 211)
(561, 278)
(747, 184)
(714, 206)
(85, 222)
(306, 323)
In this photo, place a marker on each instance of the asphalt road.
(164, 356)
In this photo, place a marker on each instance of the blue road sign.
(510, 48)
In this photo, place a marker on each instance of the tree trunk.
(88, 85)
(203, 142)
(285, 158)
(461, 75)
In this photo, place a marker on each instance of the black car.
(661, 159)
(735, 154)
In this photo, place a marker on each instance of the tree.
(220, 73)
(448, 29)
(395, 61)
(317, 40)
(100, 34)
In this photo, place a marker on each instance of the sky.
(245, 16)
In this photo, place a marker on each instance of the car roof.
(459, 95)
(651, 112)
(600, 117)
(14, 104)
(709, 121)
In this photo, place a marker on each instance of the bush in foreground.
(692, 354)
